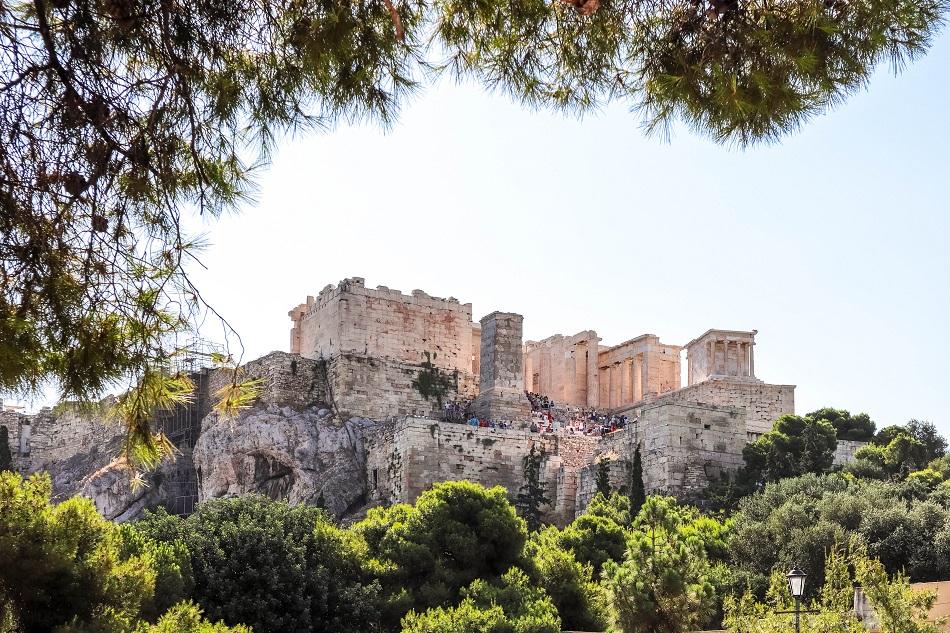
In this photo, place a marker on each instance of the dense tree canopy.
(65, 568)
(664, 584)
(118, 116)
(456, 532)
(796, 445)
(858, 427)
(272, 566)
(897, 451)
(794, 522)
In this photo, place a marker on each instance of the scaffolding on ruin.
(182, 424)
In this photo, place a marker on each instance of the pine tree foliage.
(664, 584)
(533, 493)
(118, 116)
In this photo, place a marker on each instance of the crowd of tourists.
(549, 417)
(546, 417)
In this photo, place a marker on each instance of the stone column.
(501, 381)
(638, 378)
(751, 360)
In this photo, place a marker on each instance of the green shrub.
(65, 565)
(274, 567)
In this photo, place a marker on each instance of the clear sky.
(832, 244)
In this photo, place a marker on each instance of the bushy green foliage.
(465, 618)
(425, 554)
(664, 584)
(897, 451)
(272, 566)
(858, 427)
(66, 565)
(794, 522)
(830, 609)
(899, 609)
(527, 607)
(796, 445)
(187, 618)
(172, 562)
(581, 601)
(511, 606)
(598, 535)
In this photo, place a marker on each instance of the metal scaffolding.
(182, 425)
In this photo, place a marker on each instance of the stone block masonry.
(762, 403)
(501, 381)
(405, 457)
(683, 448)
(383, 323)
(845, 450)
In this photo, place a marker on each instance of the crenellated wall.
(382, 323)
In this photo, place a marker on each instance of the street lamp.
(796, 585)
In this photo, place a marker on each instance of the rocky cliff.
(303, 456)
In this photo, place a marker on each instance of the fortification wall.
(18, 435)
(762, 403)
(404, 458)
(352, 384)
(383, 323)
(287, 380)
(683, 448)
(378, 389)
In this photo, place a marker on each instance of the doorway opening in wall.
(375, 478)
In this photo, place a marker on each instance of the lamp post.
(796, 585)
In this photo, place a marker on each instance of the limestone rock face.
(300, 455)
(111, 489)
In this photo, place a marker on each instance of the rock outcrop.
(302, 455)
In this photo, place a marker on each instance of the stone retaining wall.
(405, 457)
(762, 403)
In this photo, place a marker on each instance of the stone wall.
(683, 448)
(18, 434)
(762, 403)
(287, 380)
(379, 389)
(845, 451)
(405, 457)
(71, 444)
(383, 323)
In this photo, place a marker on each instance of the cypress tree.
(638, 494)
(603, 476)
(533, 493)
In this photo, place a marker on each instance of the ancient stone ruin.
(382, 394)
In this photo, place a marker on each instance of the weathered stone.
(283, 453)
(501, 381)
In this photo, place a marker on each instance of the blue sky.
(833, 243)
